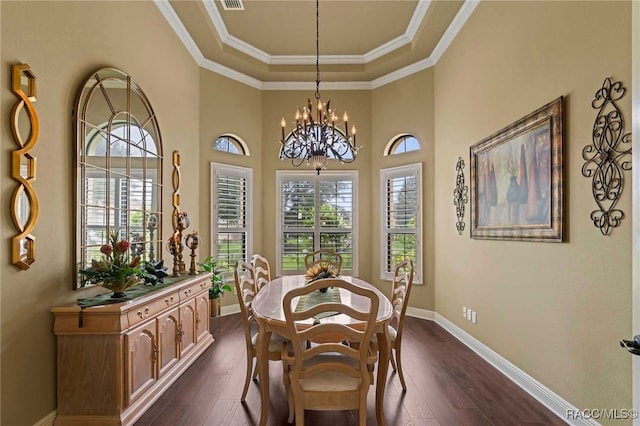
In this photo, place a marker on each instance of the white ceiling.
(271, 44)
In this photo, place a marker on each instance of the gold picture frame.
(517, 179)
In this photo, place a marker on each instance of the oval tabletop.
(268, 302)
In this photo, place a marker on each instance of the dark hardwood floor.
(447, 384)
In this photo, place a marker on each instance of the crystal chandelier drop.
(315, 140)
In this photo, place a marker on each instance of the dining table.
(267, 310)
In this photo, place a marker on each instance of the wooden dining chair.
(262, 270)
(245, 289)
(324, 256)
(328, 376)
(400, 291)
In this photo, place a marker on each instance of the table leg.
(383, 367)
(262, 354)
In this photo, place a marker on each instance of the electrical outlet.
(474, 317)
(464, 311)
(469, 314)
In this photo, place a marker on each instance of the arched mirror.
(119, 169)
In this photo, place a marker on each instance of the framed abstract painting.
(517, 181)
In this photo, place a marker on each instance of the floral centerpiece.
(115, 271)
(320, 270)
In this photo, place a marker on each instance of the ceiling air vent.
(232, 4)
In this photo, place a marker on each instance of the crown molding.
(228, 39)
(324, 59)
(406, 38)
(456, 25)
(324, 85)
(178, 27)
(231, 73)
(454, 28)
(249, 49)
(403, 72)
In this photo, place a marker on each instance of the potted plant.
(115, 271)
(218, 284)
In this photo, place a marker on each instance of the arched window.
(231, 144)
(401, 144)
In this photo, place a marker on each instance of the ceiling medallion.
(314, 141)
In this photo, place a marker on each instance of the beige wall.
(63, 42)
(556, 311)
(405, 106)
(227, 106)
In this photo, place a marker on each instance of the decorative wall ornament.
(608, 157)
(24, 201)
(460, 195)
(179, 219)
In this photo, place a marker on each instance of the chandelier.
(314, 141)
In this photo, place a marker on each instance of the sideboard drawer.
(149, 310)
(191, 291)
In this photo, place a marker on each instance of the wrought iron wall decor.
(608, 156)
(24, 201)
(460, 195)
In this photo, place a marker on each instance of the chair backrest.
(324, 256)
(261, 269)
(400, 292)
(245, 289)
(302, 327)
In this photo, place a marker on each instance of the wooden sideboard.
(116, 360)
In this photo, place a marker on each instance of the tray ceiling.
(272, 42)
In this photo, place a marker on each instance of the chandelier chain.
(317, 49)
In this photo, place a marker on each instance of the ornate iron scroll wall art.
(24, 201)
(608, 157)
(460, 195)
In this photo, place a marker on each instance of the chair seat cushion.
(275, 344)
(329, 381)
(392, 335)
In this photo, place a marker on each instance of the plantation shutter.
(401, 228)
(231, 220)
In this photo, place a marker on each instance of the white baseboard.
(546, 397)
(229, 309)
(421, 313)
(47, 420)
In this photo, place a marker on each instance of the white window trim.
(227, 170)
(392, 172)
(238, 139)
(280, 175)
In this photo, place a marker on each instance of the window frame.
(392, 145)
(235, 141)
(218, 169)
(281, 175)
(386, 174)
